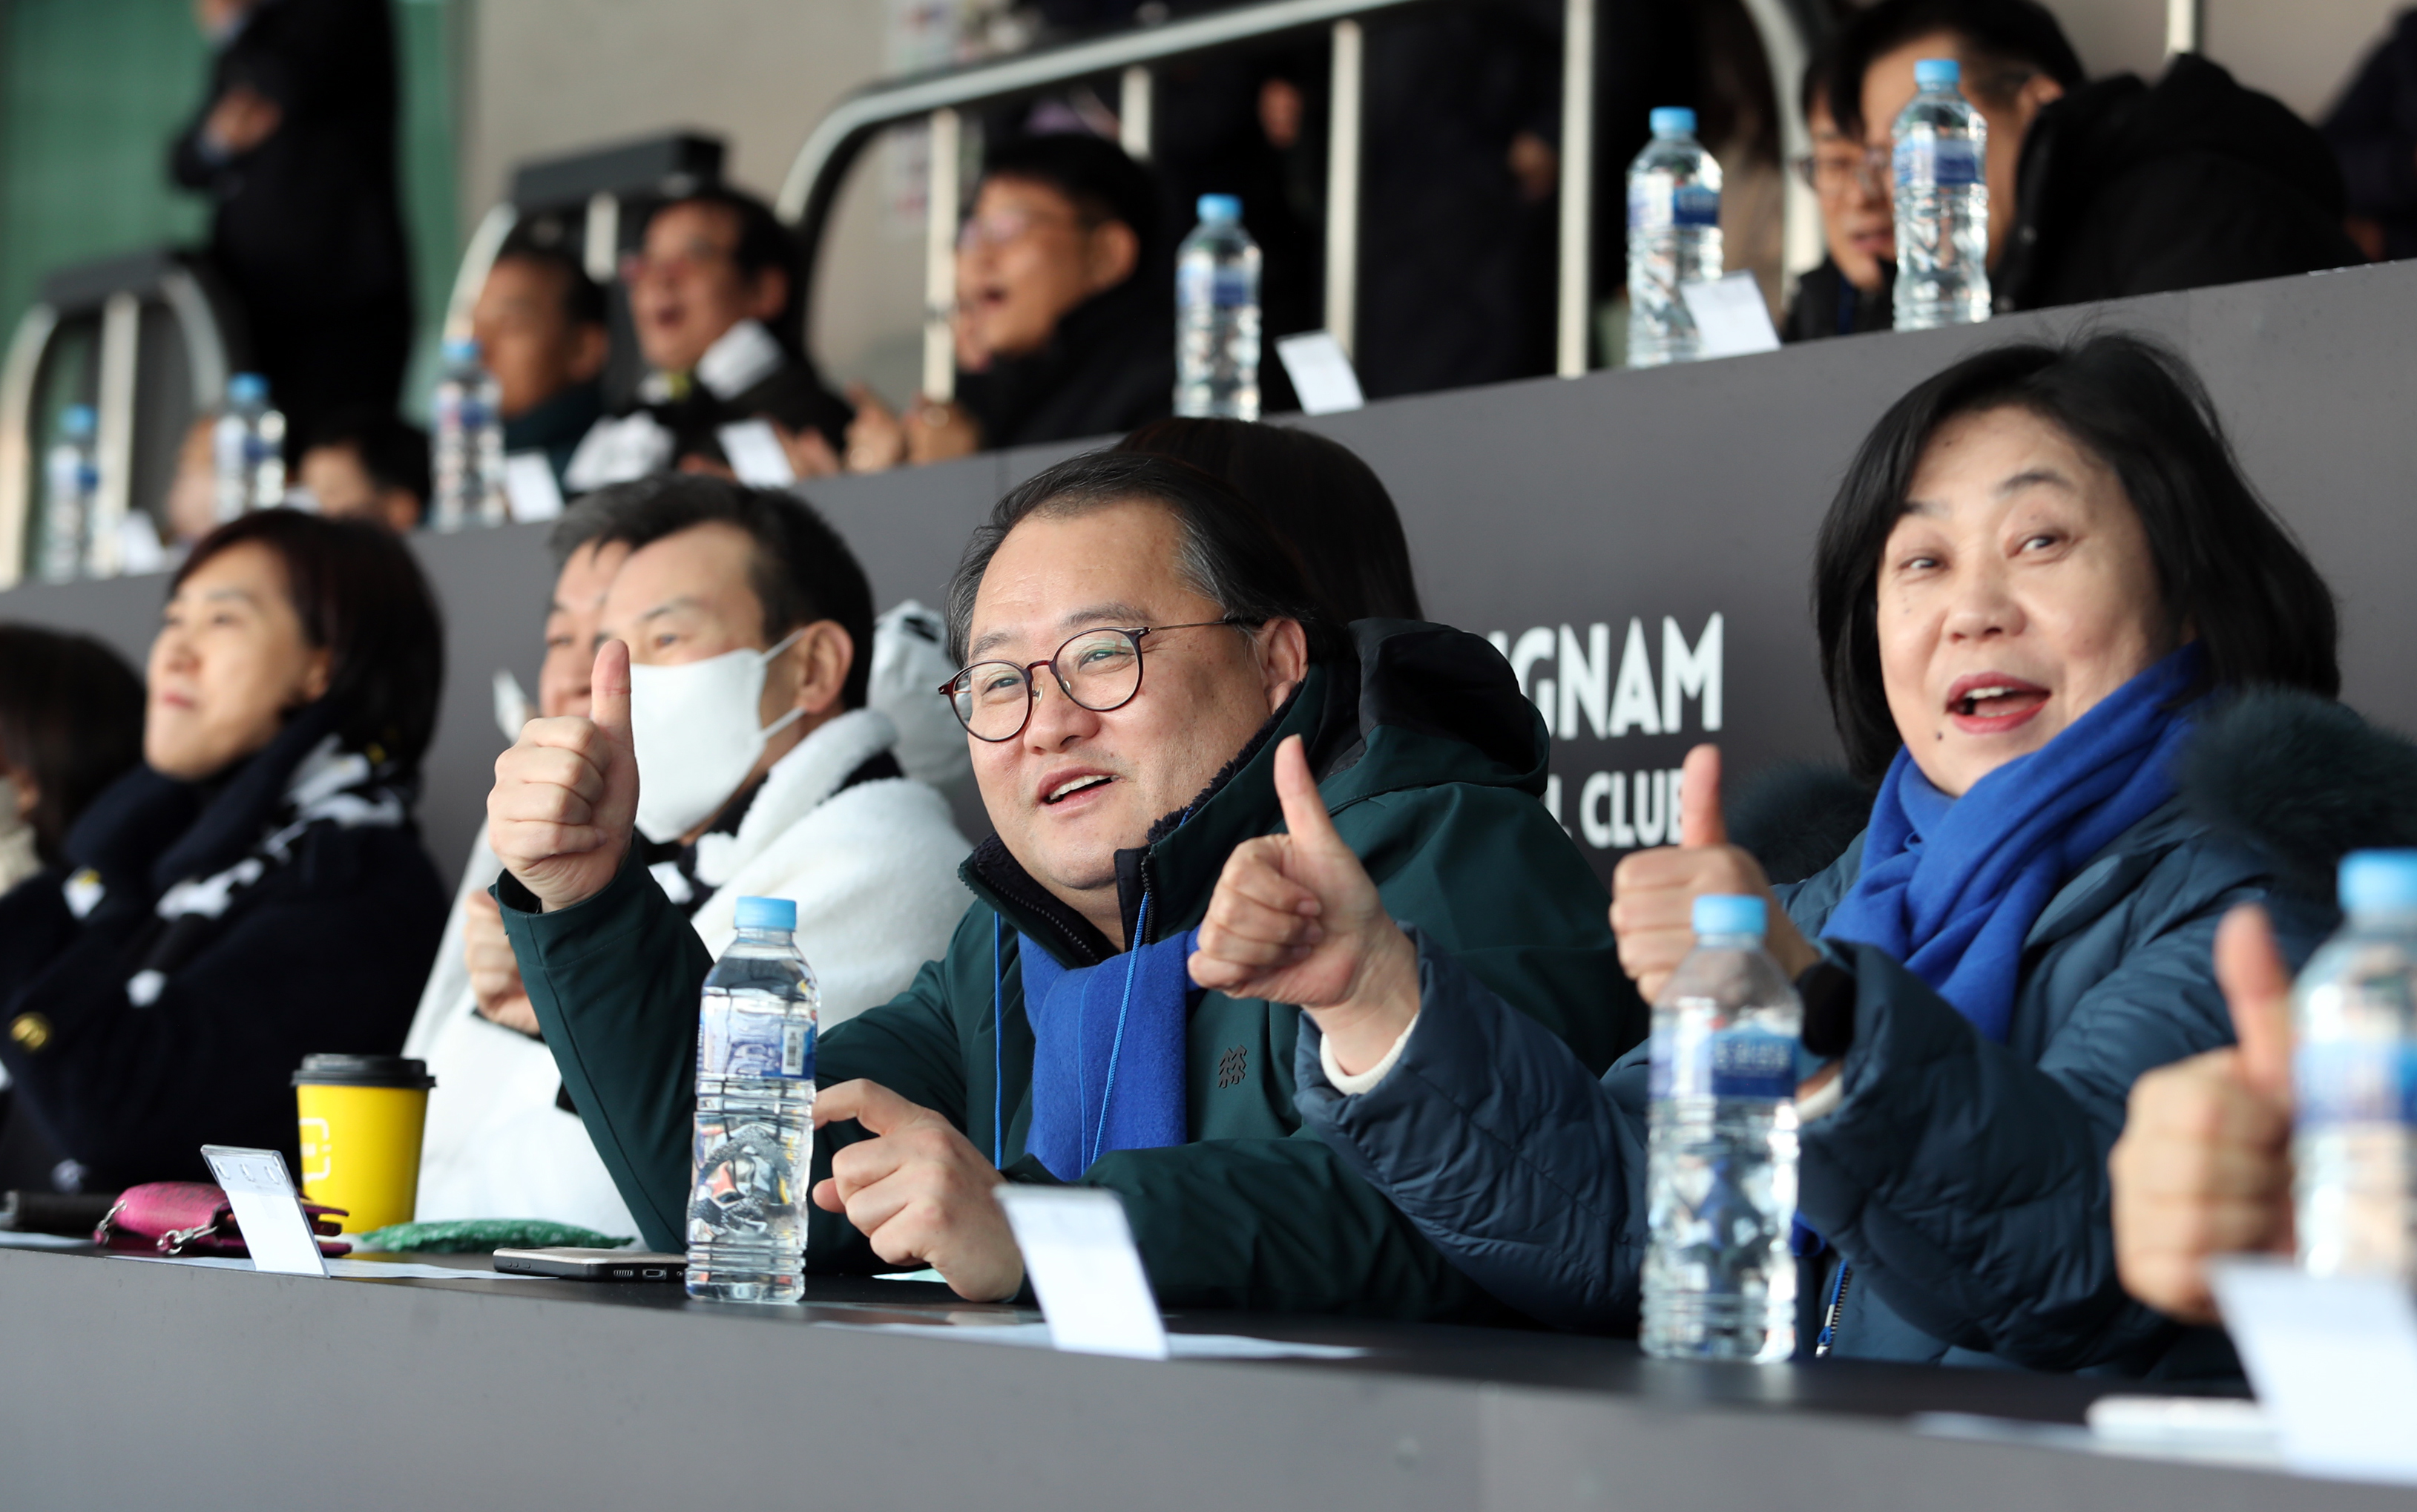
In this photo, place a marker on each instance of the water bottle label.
(732, 1044)
(1221, 288)
(2355, 1081)
(1692, 206)
(1695, 205)
(1745, 1062)
(1942, 164)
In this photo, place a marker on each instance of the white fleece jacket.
(874, 872)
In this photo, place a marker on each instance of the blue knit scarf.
(1952, 887)
(1108, 1052)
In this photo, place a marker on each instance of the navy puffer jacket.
(1963, 1182)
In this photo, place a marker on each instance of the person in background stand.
(70, 723)
(1849, 293)
(2373, 133)
(542, 328)
(367, 465)
(296, 147)
(716, 292)
(1065, 311)
(255, 891)
(1329, 506)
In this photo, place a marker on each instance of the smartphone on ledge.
(593, 1264)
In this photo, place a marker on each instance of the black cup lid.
(363, 1071)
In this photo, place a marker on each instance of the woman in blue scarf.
(2044, 595)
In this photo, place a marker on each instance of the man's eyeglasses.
(1099, 669)
(1827, 173)
(999, 227)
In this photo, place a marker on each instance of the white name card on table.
(1321, 372)
(2335, 1362)
(1731, 320)
(756, 454)
(529, 487)
(1079, 1252)
(275, 1228)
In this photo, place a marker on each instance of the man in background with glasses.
(1135, 644)
(1848, 293)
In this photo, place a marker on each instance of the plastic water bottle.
(754, 1144)
(248, 448)
(469, 442)
(1217, 316)
(1720, 1283)
(1674, 237)
(1942, 203)
(2354, 1073)
(71, 479)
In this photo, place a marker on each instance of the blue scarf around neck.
(1108, 1051)
(1952, 887)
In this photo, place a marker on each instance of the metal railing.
(811, 188)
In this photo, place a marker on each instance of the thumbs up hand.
(566, 794)
(2204, 1166)
(1295, 918)
(1653, 893)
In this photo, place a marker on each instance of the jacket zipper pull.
(1830, 1319)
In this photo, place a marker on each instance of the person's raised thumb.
(608, 691)
(1304, 807)
(1701, 823)
(2256, 983)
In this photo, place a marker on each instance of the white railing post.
(940, 261)
(1132, 112)
(1571, 307)
(1343, 186)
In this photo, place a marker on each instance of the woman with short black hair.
(70, 723)
(256, 891)
(2092, 675)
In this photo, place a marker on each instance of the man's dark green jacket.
(1432, 764)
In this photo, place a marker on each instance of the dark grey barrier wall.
(1637, 543)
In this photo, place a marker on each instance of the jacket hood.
(2102, 131)
(1408, 705)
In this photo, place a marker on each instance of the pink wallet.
(192, 1218)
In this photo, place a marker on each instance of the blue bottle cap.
(2380, 882)
(77, 422)
(1730, 913)
(460, 350)
(248, 388)
(1671, 120)
(767, 913)
(1220, 207)
(1936, 73)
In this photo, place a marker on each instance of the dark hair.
(765, 245)
(393, 451)
(1229, 556)
(2001, 43)
(802, 570)
(70, 719)
(1330, 506)
(583, 300)
(1100, 177)
(362, 598)
(2225, 565)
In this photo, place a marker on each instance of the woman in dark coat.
(2045, 597)
(256, 891)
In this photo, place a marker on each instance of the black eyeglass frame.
(1136, 633)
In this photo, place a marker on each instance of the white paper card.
(756, 454)
(1079, 1251)
(1731, 320)
(529, 487)
(1320, 372)
(266, 1210)
(512, 705)
(2335, 1362)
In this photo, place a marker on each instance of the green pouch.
(482, 1236)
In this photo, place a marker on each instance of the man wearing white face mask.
(763, 773)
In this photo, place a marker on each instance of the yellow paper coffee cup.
(361, 1120)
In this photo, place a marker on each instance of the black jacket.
(1827, 305)
(793, 395)
(2373, 133)
(2127, 187)
(309, 219)
(1108, 367)
(1965, 1181)
(326, 951)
